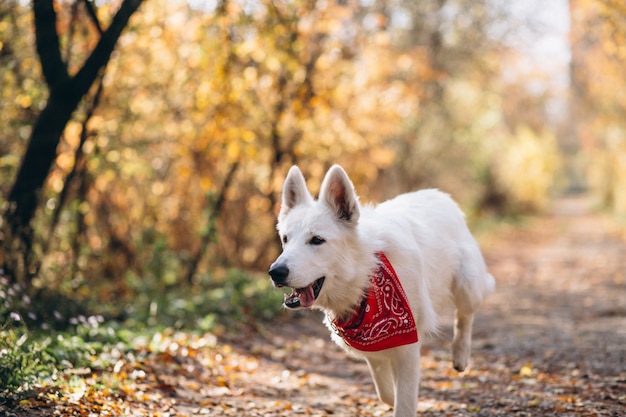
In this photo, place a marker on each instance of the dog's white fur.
(426, 239)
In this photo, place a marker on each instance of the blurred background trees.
(598, 92)
(169, 170)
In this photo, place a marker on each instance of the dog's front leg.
(384, 379)
(405, 364)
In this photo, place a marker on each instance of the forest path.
(551, 341)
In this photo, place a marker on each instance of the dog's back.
(427, 240)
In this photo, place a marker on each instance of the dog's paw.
(459, 366)
(460, 354)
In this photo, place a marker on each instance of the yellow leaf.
(184, 172)
(526, 370)
(221, 381)
(205, 184)
(23, 101)
(233, 151)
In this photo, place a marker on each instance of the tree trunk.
(65, 93)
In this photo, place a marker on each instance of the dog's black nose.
(279, 274)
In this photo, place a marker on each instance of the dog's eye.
(316, 240)
(285, 239)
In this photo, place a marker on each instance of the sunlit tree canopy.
(170, 164)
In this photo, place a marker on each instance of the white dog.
(381, 274)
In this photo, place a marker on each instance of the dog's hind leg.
(469, 289)
(462, 340)
(466, 300)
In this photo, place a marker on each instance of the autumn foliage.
(170, 168)
(143, 145)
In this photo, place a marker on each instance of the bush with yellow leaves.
(527, 167)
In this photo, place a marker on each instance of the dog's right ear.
(294, 191)
(338, 193)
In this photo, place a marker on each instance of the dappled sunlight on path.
(551, 341)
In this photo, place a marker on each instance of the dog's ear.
(338, 193)
(294, 191)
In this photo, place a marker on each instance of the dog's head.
(316, 236)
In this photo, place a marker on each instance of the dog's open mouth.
(304, 297)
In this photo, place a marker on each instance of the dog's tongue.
(300, 297)
(307, 296)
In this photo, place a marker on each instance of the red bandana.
(384, 319)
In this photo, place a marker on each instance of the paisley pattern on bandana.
(384, 319)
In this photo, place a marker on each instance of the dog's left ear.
(338, 193)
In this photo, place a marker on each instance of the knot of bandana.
(384, 319)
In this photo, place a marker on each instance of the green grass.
(36, 352)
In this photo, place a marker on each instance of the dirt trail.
(550, 341)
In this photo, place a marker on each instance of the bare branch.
(91, 11)
(47, 40)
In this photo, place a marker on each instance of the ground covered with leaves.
(551, 341)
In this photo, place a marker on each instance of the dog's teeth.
(293, 296)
